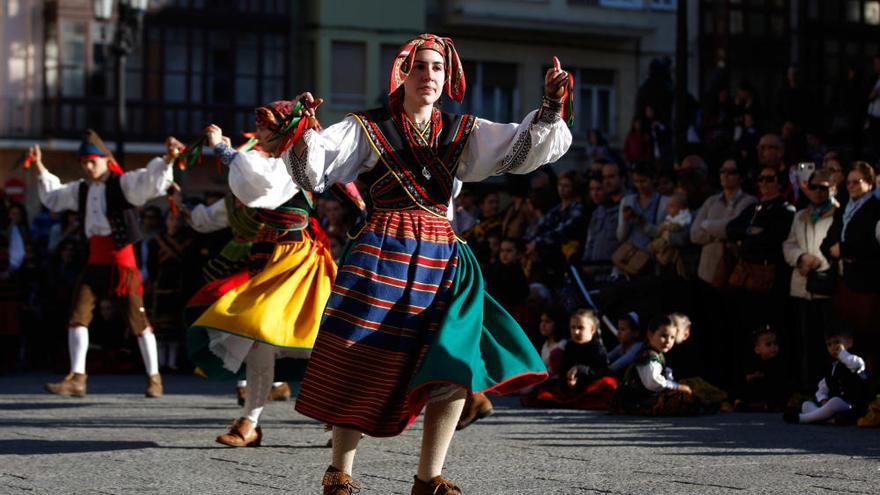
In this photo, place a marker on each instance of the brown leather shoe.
(336, 482)
(476, 407)
(73, 385)
(154, 387)
(280, 393)
(437, 486)
(242, 434)
(239, 394)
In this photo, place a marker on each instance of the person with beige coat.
(802, 252)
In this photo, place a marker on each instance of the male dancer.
(107, 203)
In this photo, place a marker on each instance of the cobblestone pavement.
(116, 442)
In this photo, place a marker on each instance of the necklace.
(422, 127)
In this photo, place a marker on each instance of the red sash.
(103, 251)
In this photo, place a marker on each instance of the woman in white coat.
(802, 252)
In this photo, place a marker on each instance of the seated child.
(629, 336)
(585, 358)
(582, 383)
(842, 396)
(552, 328)
(764, 386)
(678, 218)
(684, 356)
(647, 388)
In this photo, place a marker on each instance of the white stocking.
(441, 417)
(345, 444)
(149, 353)
(826, 411)
(78, 346)
(260, 371)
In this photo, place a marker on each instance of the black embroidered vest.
(409, 178)
(123, 216)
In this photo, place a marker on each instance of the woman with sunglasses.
(854, 241)
(709, 230)
(760, 278)
(810, 277)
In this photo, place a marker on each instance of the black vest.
(848, 385)
(122, 215)
(412, 177)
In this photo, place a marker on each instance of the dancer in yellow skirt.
(275, 314)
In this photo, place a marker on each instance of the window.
(220, 67)
(175, 63)
(872, 13)
(102, 78)
(273, 58)
(73, 58)
(621, 4)
(594, 101)
(663, 4)
(348, 73)
(491, 92)
(246, 69)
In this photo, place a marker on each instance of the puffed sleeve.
(57, 196)
(496, 149)
(207, 219)
(259, 181)
(338, 153)
(144, 184)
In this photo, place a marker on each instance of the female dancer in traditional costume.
(275, 313)
(409, 324)
(229, 268)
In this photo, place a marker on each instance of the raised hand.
(310, 104)
(555, 81)
(173, 148)
(36, 156)
(214, 135)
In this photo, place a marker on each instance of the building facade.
(202, 61)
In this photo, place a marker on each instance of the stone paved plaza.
(116, 442)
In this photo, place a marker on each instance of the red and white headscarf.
(403, 63)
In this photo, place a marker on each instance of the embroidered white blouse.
(259, 181)
(342, 151)
(138, 187)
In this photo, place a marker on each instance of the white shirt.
(138, 187)
(851, 361)
(205, 219)
(260, 181)
(342, 151)
(653, 377)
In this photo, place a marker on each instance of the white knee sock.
(149, 353)
(78, 345)
(260, 370)
(826, 411)
(345, 444)
(277, 384)
(441, 417)
(241, 383)
(809, 406)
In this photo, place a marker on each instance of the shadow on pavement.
(718, 435)
(49, 447)
(25, 406)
